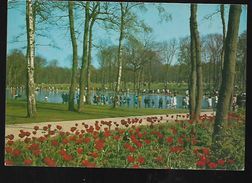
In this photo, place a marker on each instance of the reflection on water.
(106, 98)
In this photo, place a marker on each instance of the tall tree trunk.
(196, 63)
(119, 55)
(30, 28)
(84, 58)
(75, 57)
(150, 76)
(228, 74)
(243, 81)
(192, 84)
(199, 83)
(134, 79)
(89, 61)
(222, 11)
(88, 74)
(110, 76)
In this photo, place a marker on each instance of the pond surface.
(106, 98)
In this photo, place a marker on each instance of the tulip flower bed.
(178, 144)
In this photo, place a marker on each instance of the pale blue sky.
(177, 28)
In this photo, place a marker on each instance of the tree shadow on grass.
(16, 116)
(54, 109)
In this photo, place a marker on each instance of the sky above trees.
(177, 27)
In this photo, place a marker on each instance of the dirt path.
(102, 123)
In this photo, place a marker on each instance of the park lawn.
(52, 112)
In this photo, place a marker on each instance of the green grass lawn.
(50, 112)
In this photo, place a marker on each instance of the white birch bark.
(31, 100)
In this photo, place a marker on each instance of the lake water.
(105, 98)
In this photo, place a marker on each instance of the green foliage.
(232, 145)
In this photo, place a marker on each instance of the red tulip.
(27, 161)
(130, 159)
(86, 163)
(72, 138)
(10, 137)
(55, 143)
(36, 128)
(201, 163)
(169, 140)
(212, 165)
(62, 152)
(205, 150)
(159, 159)
(86, 140)
(58, 127)
(140, 160)
(135, 166)
(10, 142)
(117, 137)
(33, 146)
(16, 152)
(41, 139)
(221, 162)
(36, 152)
(147, 141)
(99, 145)
(73, 129)
(67, 157)
(27, 140)
(180, 141)
(45, 128)
(8, 149)
(80, 150)
(94, 154)
(49, 162)
(65, 141)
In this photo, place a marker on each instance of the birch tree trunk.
(119, 57)
(30, 91)
(75, 57)
(84, 58)
(228, 75)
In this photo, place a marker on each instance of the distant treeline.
(142, 67)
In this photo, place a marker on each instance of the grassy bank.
(49, 112)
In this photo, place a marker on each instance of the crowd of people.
(137, 101)
(237, 100)
(162, 101)
(159, 98)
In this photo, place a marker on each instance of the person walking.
(215, 101)
(160, 103)
(174, 101)
(145, 102)
(234, 103)
(63, 95)
(135, 101)
(187, 101)
(209, 102)
(139, 101)
(152, 103)
(128, 101)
